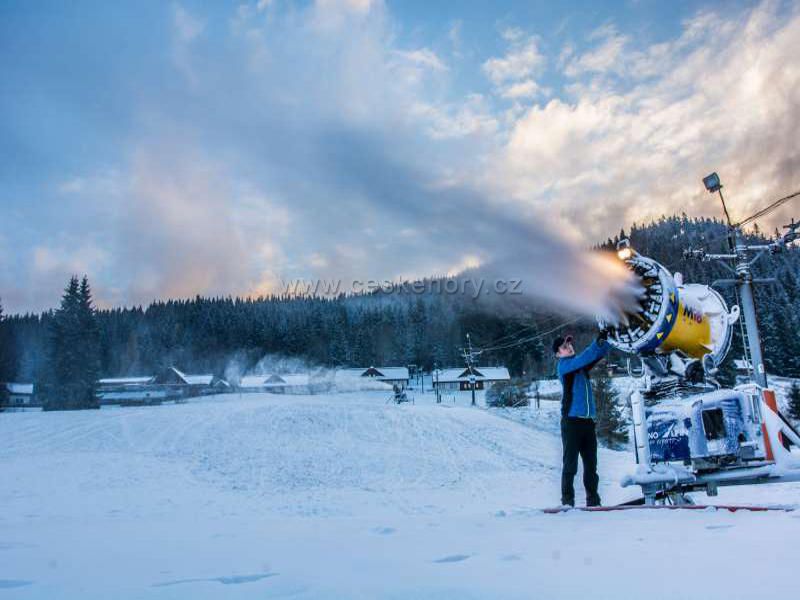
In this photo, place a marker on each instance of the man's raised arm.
(586, 359)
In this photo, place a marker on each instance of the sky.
(173, 149)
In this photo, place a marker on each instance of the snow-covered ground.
(345, 496)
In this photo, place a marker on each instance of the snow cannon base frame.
(689, 433)
(753, 446)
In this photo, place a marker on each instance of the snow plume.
(236, 368)
(307, 376)
(271, 364)
(556, 276)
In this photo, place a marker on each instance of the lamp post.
(740, 256)
(472, 385)
(436, 384)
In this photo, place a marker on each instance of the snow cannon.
(690, 319)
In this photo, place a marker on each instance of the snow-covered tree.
(612, 429)
(7, 350)
(68, 382)
(5, 359)
(794, 401)
(511, 394)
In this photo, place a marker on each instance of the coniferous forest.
(386, 328)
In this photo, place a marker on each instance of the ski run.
(346, 496)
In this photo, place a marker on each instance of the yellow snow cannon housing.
(690, 333)
(691, 319)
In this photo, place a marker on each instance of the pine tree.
(89, 368)
(794, 401)
(8, 358)
(612, 430)
(5, 351)
(69, 380)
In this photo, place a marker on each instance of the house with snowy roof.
(460, 378)
(168, 384)
(262, 383)
(193, 385)
(389, 375)
(20, 395)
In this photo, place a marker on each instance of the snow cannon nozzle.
(667, 316)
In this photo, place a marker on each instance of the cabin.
(190, 385)
(20, 395)
(292, 383)
(389, 375)
(169, 384)
(459, 379)
(262, 383)
(133, 391)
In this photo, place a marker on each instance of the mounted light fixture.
(712, 182)
(624, 250)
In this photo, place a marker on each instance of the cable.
(547, 321)
(532, 338)
(767, 209)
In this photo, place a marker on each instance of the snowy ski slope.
(344, 496)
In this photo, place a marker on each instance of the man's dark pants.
(578, 437)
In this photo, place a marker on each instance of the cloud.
(186, 30)
(187, 27)
(454, 36)
(333, 15)
(612, 151)
(188, 226)
(423, 57)
(319, 142)
(457, 120)
(604, 57)
(522, 60)
(521, 90)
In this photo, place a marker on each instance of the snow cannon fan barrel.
(691, 319)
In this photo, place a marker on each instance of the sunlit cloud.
(267, 142)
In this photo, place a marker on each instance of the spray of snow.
(562, 278)
(312, 377)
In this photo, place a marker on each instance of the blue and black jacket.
(573, 372)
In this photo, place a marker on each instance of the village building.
(459, 379)
(170, 384)
(262, 383)
(391, 376)
(20, 396)
(191, 385)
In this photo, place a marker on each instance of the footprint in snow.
(229, 580)
(510, 557)
(453, 558)
(384, 530)
(718, 526)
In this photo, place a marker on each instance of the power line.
(531, 338)
(767, 209)
(515, 334)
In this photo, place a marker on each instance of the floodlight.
(712, 183)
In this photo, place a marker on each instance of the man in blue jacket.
(578, 413)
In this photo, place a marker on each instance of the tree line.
(76, 342)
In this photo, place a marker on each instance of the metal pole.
(642, 442)
(745, 285)
(472, 385)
